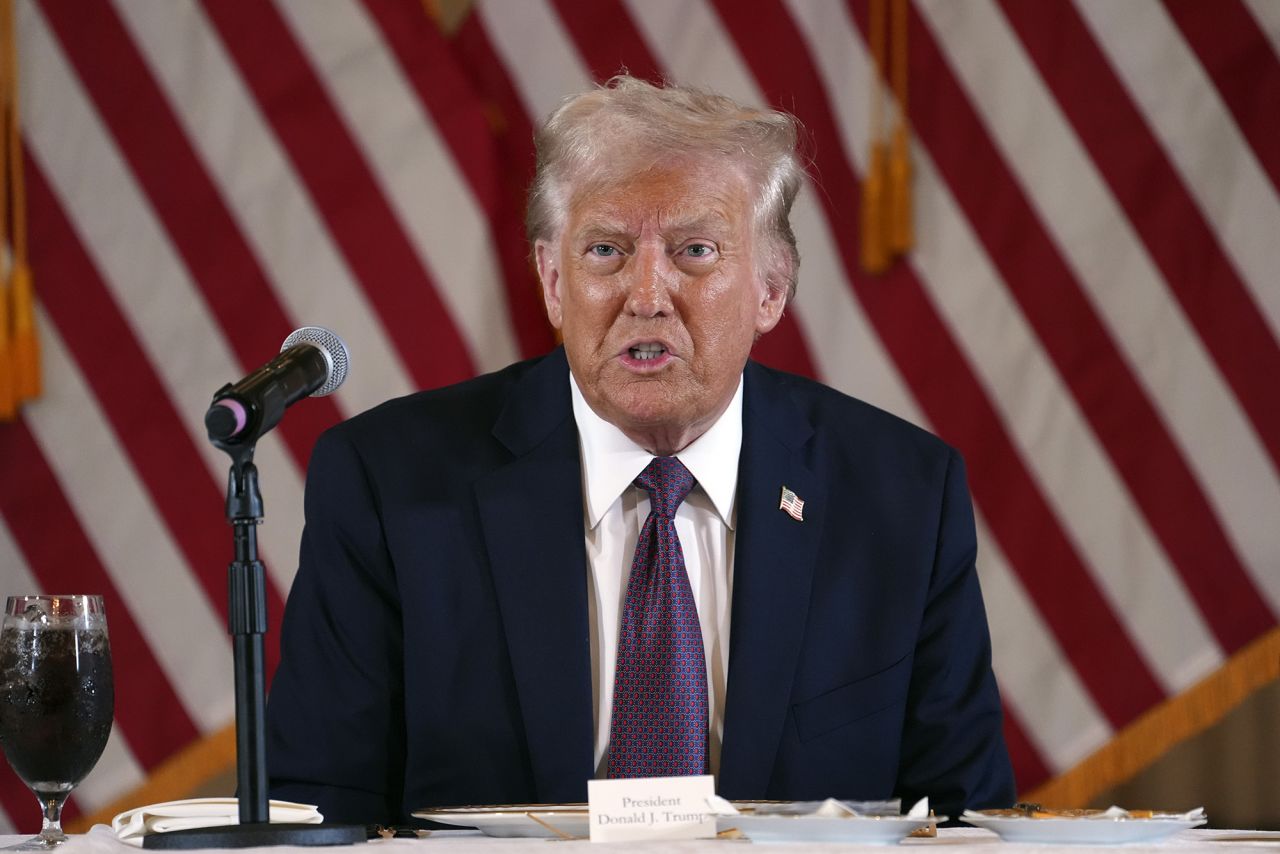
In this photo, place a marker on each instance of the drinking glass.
(56, 698)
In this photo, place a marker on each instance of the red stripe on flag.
(1029, 768)
(1200, 276)
(586, 20)
(55, 547)
(188, 203)
(427, 61)
(941, 378)
(152, 435)
(346, 193)
(512, 129)
(1237, 55)
(1088, 359)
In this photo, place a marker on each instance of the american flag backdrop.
(1091, 311)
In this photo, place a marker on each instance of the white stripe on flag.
(225, 125)
(542, 62)
(150, 283)
(1163, 75)
(137, 551)
(1115, 269)
(1078, 480)
(415, 171)
(1035, 677)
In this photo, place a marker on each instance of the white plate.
(1082, 831)
(537, 820)
(866, 830)
(516, 820)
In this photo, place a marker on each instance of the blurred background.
(1048, 232)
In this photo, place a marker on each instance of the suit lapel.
(773, 572)
(531, 513)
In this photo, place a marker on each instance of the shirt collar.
(611, 461)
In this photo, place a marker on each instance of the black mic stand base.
(247, 622)
(254, 836)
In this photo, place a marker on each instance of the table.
(100, 840)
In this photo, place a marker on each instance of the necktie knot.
(668, 483)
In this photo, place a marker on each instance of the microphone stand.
(247, 623)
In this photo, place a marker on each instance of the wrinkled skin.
(663, 260)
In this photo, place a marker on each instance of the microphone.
(313, 362)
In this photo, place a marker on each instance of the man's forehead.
(667, 200)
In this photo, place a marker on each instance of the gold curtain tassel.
(875, 254)
(875, 257)
(901, 235)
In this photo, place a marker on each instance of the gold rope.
(180, 776)
(875, 256)
(1159, 729)
(25, 351)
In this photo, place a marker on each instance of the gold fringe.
(178, 777)
(875, 255)
(19, 349)
(899, 233)
(1145, 740)
(24, 347)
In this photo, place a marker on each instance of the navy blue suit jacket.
(435, 642)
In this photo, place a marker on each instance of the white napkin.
(130, 826)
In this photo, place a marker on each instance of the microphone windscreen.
(335, 353)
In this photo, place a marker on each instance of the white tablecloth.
(100, 840)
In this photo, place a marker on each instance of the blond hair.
(634, 123)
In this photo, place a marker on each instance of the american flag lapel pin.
(792, 504)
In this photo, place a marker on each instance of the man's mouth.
(645, 352)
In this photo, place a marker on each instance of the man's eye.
(603, 250)
(698, 250)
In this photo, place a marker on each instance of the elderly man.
(642, 553)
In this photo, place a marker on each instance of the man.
(503, 581)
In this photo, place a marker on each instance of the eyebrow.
(709, 221)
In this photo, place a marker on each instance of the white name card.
(651, 808)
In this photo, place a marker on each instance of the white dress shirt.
(615, 511)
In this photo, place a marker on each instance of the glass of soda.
(56, 698)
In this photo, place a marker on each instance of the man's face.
(654, 287)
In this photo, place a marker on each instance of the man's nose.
(651, 280)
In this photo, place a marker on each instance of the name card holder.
(651, 808)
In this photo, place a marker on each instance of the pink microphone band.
(237, 409)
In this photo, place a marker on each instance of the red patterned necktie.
(659, 725)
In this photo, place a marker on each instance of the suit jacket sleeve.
(339, 689)
(952, 746)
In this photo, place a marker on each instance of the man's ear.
(772, 304)
(547, 258)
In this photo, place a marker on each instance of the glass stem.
(51, 812)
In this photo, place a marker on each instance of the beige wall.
(1231, 769)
